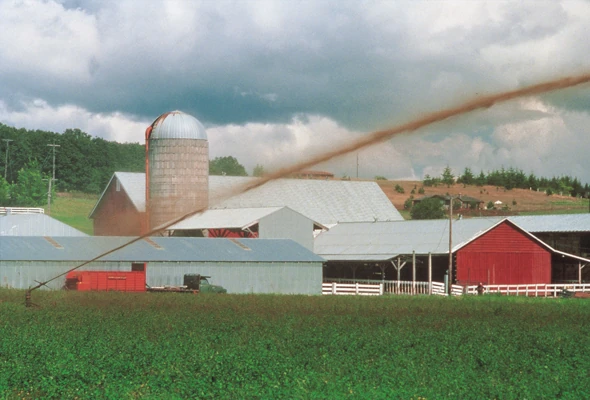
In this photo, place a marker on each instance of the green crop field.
(173, 346)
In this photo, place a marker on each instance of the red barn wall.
(116, 215)
(502, 256)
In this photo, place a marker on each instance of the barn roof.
(35, 225)
(325, 201)
(239, 218)
(553, 223)
(80, 249)
(380, 241)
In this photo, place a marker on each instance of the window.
(138, 267)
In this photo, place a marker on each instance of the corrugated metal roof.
(553, 223)
(35, 225)
(134, 185)
(227, 218)
(325, 201)
(154, 249)
(385, 240)
(177, 125)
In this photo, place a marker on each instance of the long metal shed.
(240, 265)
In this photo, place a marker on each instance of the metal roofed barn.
(325, 202)
(239, 265)
(490, 250)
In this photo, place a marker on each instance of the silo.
(177, 167)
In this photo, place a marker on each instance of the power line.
(51, 179)
(6, 159)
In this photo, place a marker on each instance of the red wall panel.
(504, 255)
(116, 215)
(124, 281)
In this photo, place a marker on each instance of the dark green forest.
(82, 162)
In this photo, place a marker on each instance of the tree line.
(82, 163)
(512, 178)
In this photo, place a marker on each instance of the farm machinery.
(135, 281)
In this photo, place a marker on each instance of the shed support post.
(413, 272)
(429, 273)
(580, 268)
(398, 268)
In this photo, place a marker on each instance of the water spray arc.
(368, 140)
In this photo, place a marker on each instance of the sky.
(275, 82)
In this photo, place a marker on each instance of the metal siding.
(287, 224)
(504, 255)
(281, 278)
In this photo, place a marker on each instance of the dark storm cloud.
(296, 76)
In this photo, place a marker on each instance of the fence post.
(380, 289)
(429, 273)
(356, 287)
(333, 287)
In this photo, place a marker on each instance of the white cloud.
(42, 38)
(38, 114)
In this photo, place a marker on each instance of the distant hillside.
(515, 201)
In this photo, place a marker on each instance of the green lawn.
(173, 346)
(74, 209)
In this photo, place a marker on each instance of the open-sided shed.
(486, 250)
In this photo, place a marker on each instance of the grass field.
(73, 209)
(172, 346)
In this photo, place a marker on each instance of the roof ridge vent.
(53, 242)
(240, 244)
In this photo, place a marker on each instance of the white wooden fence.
(352, 288)
(21, 210)
(377, 287)
(538, 290)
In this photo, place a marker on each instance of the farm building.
(487, 250)
(121, 208)
(176, 182)
(239, 265)
(33, 222)
(263, 223)
(565, 232)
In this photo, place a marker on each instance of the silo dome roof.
(177, 125)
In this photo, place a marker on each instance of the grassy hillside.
(73, 209)
(517, 201)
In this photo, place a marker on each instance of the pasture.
(167, 346)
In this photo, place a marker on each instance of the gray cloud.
(293, 78)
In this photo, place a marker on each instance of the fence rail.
(352, 288)
(21, 210)
(372, 286)
(538, 290)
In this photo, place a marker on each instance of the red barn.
(504, 255)
(120, 216)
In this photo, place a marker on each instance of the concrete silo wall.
(178, 178)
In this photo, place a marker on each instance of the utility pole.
(6, 159)
(51, 179)
(450, 244)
